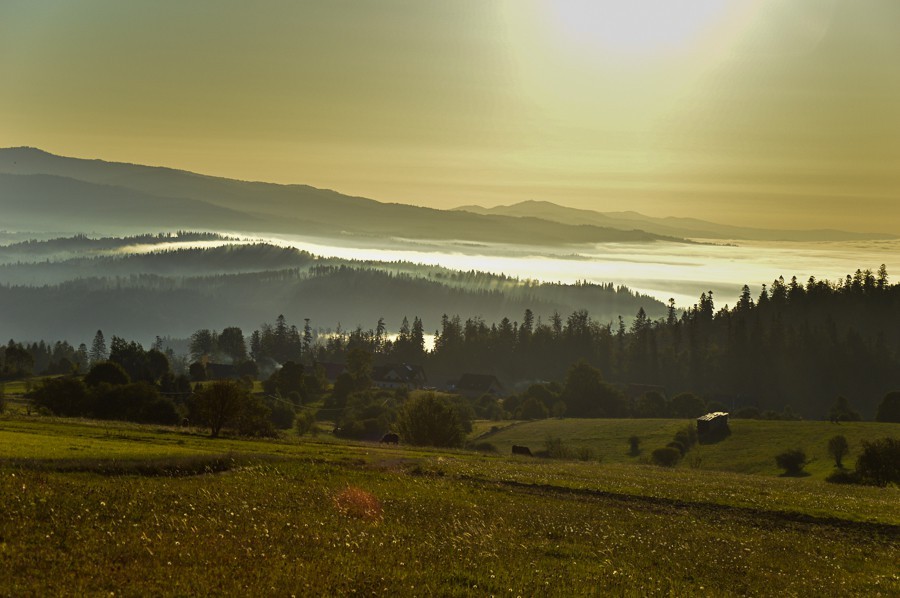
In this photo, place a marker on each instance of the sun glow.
(637, 28)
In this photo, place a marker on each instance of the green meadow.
(94, 508)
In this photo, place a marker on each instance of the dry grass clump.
(356, 502)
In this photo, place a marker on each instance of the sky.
(774, 113)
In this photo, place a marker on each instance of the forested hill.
(174, 292)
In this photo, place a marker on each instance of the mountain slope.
(254, 207)
(692, 228)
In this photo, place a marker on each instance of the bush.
(304, 422)
(61, 396)
(843, 477)
(879, 462)
(429, 420)
(282, 416)
(106, 372)
(685, 439)
(792, 461)
(666, 457)
(2, 398)
(678, 447)
(746, 413)
(556, 448)
(586, 453)
(484, 447)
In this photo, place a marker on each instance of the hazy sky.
(766, 112)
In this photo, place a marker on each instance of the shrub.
(61, 396)
(304, 421)
(843, 477)
(746, 413)
(666, 457)
(678, 447)
(879, 462)
(586, 453)
(838, 448)
(556, 448)
(106, 372)
(429, 420)
(484, 447)
(2, 398)
(791, 461)
(531, 408)
(282, 415)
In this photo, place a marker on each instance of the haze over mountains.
(43, 192)
(692, 228)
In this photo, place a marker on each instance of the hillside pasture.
(318, 516)
(750, 449)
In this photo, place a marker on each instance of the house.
(713, 424)
(477, 385)
(401, 375)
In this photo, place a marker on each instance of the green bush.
(678, 447)
(666, 457)
(791, 461)
(430, 420)
(305, 422)
(484, 447)
(879, 462)
(556, 448)
(282, 415)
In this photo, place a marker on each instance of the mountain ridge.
(679, 226)
(297, 209)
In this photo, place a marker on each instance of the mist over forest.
(69, 287)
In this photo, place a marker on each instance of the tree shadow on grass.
(795, 474)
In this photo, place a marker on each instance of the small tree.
(634, 444)
(429, 420)
(106, 372)
(791, 461)
(889, 408)
(838, 448)
(842, 411)
(2, 398)
(879, 462)
(220, 403)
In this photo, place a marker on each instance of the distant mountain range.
(691, 228)
(44, 192)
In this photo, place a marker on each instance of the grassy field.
(318, 516)
(751, 448)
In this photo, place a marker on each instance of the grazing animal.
(391, 438)
(185, 422)
(521, 450)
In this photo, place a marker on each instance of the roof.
(711, 416)
(403, 372)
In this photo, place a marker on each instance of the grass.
(313, 517)
(751, 448)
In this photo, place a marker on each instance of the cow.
(521, 450)
(390, 438)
